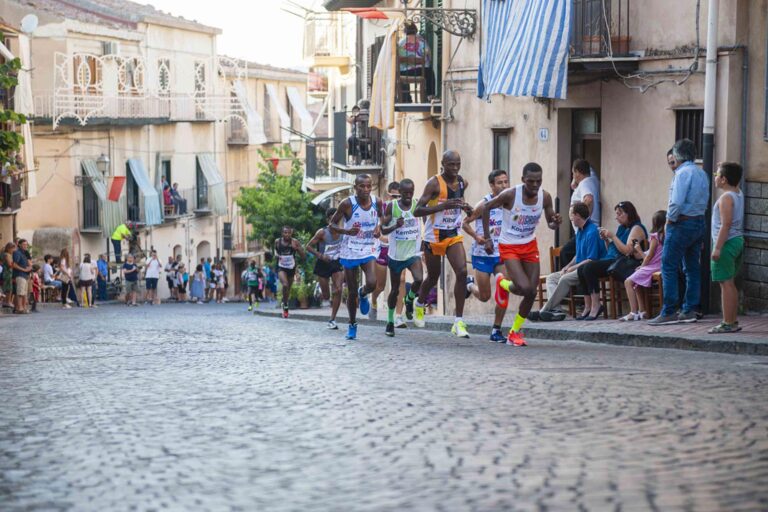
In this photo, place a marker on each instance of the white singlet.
(519, 224)
(363, 245)
(496, 219)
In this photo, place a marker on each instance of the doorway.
(586, 143)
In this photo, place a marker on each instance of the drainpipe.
(765, 104)
(710, 100)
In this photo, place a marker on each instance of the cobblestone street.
(185, 407)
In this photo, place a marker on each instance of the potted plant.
(293, 298)
(304, 293)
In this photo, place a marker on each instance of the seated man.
(589, 247)
(415, 60)
(178, 201)
(48, 273)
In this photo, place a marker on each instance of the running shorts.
(355, 263)
(326, 269)
(290, 272)
(528, 253)
(397, 266)
(439, 248)
(485, 264)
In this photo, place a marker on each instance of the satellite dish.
(29, 23)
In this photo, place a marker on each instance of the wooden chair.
(554, 257)
(656, 292)
(168, 209)
(50, 294)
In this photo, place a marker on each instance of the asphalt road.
(210, 408)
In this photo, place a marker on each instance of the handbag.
(623, 267)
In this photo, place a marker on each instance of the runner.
(252, 280)
(360, 246)
(404, 231)
(522, 206)
(393, 192)
(485, 264)
(442, 203)
(327, 266)
(286, 248)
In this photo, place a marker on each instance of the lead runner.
(522, 206)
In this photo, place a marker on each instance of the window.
(501, 149)
(290, 110)
(689, 124)
(164, 77)
(87, 74)
(132, 196)
(165, 169)
(202, 188)
(268, 116)
(90, 205)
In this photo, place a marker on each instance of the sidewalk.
(752, 340)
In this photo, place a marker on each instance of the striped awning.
(525, 48)
(217, 196)
(152, 213)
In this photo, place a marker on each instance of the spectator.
(167, 198)
(197, 288)
(87, 277)
(586, 189)
(353, 147)
(178, 200)
(49, 278)
(218, 281)
(131, 280)
(151, 277)
(620, 259)
(121, 232)
(728, 243)
(270, 277)
(37, 287)
(589, 247)
(688, 199)
(208, 269)
(22, 266)
(102, 276)
(637, 284)
(415, 60)
(169, 275)
(10, 249)
(223, 263)
(181, 283)
(66, 278)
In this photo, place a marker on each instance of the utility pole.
(708, 149)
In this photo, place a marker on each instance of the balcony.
(320, 175)
(357, 148)
(325, 43)
(190, 201)
(12, 194)
(600, 35)
(317, 83)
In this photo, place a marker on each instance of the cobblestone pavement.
(209, 408)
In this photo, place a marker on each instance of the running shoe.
(497, 337)
(418, 319)
(408, 307)
(501, 296)
(373, 313)
(389, 330)
(285, 312)
(516, 339)
(365, 304)
(459, 329)
(400, 323)
(351, 332)
(250, 307)
(332, 325)
(470, 284)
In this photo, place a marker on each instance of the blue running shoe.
(351, 332)
(497, 337)
(365, 304)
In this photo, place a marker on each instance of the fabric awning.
(324, 196)
(111, 211)
(307, 124)
(217, 195)
(255, 123)
(285, 119)
(525, 48)
(152, 214)
(382, 113)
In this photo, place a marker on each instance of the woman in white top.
(87, 277)
(65, 276)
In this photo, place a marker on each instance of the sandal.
(723, 328)
(630, 317)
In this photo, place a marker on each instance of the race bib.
(286, 261)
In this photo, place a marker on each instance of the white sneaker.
(225, 299)
(400, 323)
(67, 306)
(332, 325)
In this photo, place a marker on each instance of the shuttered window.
(689, 124)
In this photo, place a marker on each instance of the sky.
(258, 30)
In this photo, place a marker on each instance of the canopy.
(111, 211)
(152, 214)
(217, 196)
(382, 114)
(307, 124)
(255, 123)
(285, 119)
(525, 48)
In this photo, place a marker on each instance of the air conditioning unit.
(110, 48)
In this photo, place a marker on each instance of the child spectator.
(37, 287)
(728, 242)
(638, 283)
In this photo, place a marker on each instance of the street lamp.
(102, 164)
(295, 144)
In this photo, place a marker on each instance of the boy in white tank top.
(523, 206)
(484, 264)
(360, 246)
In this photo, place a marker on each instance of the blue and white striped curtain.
(525, 48)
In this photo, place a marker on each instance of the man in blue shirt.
(21, 269)
(101, 279)
(589, 247)
(688, 200)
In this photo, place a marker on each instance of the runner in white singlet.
(485, 264)
(523, 206)
(360, 246)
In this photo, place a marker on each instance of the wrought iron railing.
(600, 28)
(355, 143)
(319, 164)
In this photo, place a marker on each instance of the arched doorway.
(432, 161)
(176, 251)
(203, 250)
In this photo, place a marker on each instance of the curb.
(666, 341)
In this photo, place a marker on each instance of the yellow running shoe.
(459, 329)
(418, 317)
